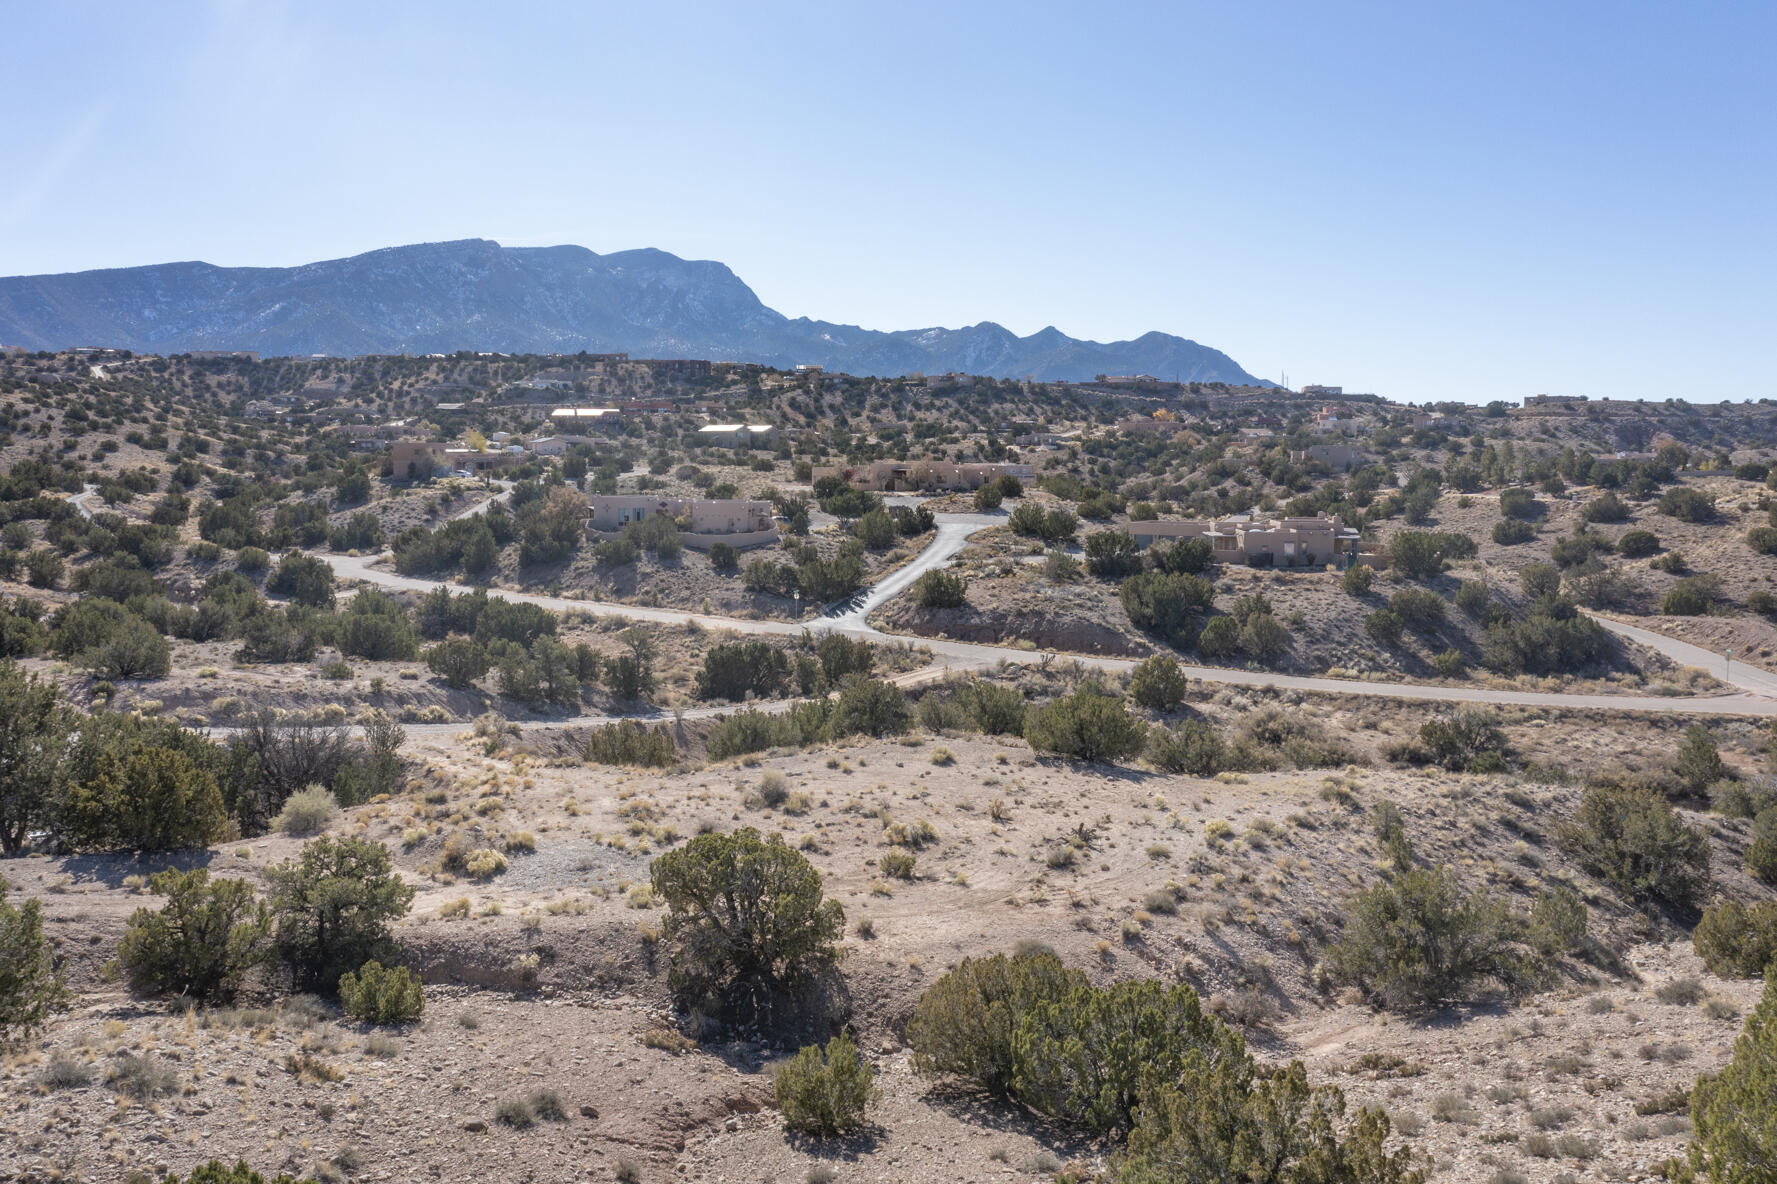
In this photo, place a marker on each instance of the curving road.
(1755, 690)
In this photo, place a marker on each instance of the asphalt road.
(1755, 691)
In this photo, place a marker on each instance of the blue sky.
(1428, 201)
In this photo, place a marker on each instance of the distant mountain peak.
(475, 294)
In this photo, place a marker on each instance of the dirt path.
(1756, 690)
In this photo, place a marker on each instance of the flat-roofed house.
(702, 522)
(1279, 542)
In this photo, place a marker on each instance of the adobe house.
(740, 522)
(412, 460)
(1273, 542)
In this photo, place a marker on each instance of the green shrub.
(1734, 1113)
(1220, 638)
(1384, 627)
(737, 670)
(746, 918)
(1088, 725)
(1420, 940)
(1231, 1120)
(202, 943)
(1698, 763)
(304, 579)
(1558, 921)
(963, 1025)
(306, 812)
(1687, 504)
(1519, 504)
(1084, 1058)
(824, 1091)
(1419, 607)
(940, 589)
(1630, 837)
(1112, 553)
(1638, 544)
(30, 986)
(1473, 598)
(629, 742)
(216, 1172)
(154, 799)
(1158, 684)
(1761, 852)
(1606, 507)
(1737, 940)
(1166, 604)
(996, 710)
(1264, 637)
(1421, 554)
(1469, 739)
(872, 707)
(1357, 579)
(382, 995)
(1192, 747)
(333, 907)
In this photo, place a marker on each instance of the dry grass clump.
(306, 812)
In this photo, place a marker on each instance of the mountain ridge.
(476, 294)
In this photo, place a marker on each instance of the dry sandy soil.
(555, 979)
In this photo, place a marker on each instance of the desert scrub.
(382, 995)
(520, 843)
(306, 812)
(824, 1091)
(898, 862)
(484, 863)
(942, 756)
(452, 909)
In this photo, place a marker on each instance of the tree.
(304, 579)
(30, 985)
(1088, 725)
(1539, 580)
(459, 662)
(1638, 544)
(1630, 837)
(1220, 638)
(1188, 556)
(1734, 1114)
(1420, 940)
(333, 908)
(824, 1091)
(746, 918)
(353, 487)
(964, 1023)
(134, 649)
(153, 799)
(202, 943)
(1158, 684)
(1761, 852)
(989, 497)
(34, 728)
(1357, 579)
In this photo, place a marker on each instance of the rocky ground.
(549, 977)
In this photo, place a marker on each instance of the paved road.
(1756, 691)
(83, 499)
(1740, 674)
(480, 507)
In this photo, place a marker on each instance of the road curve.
(1756, 690)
